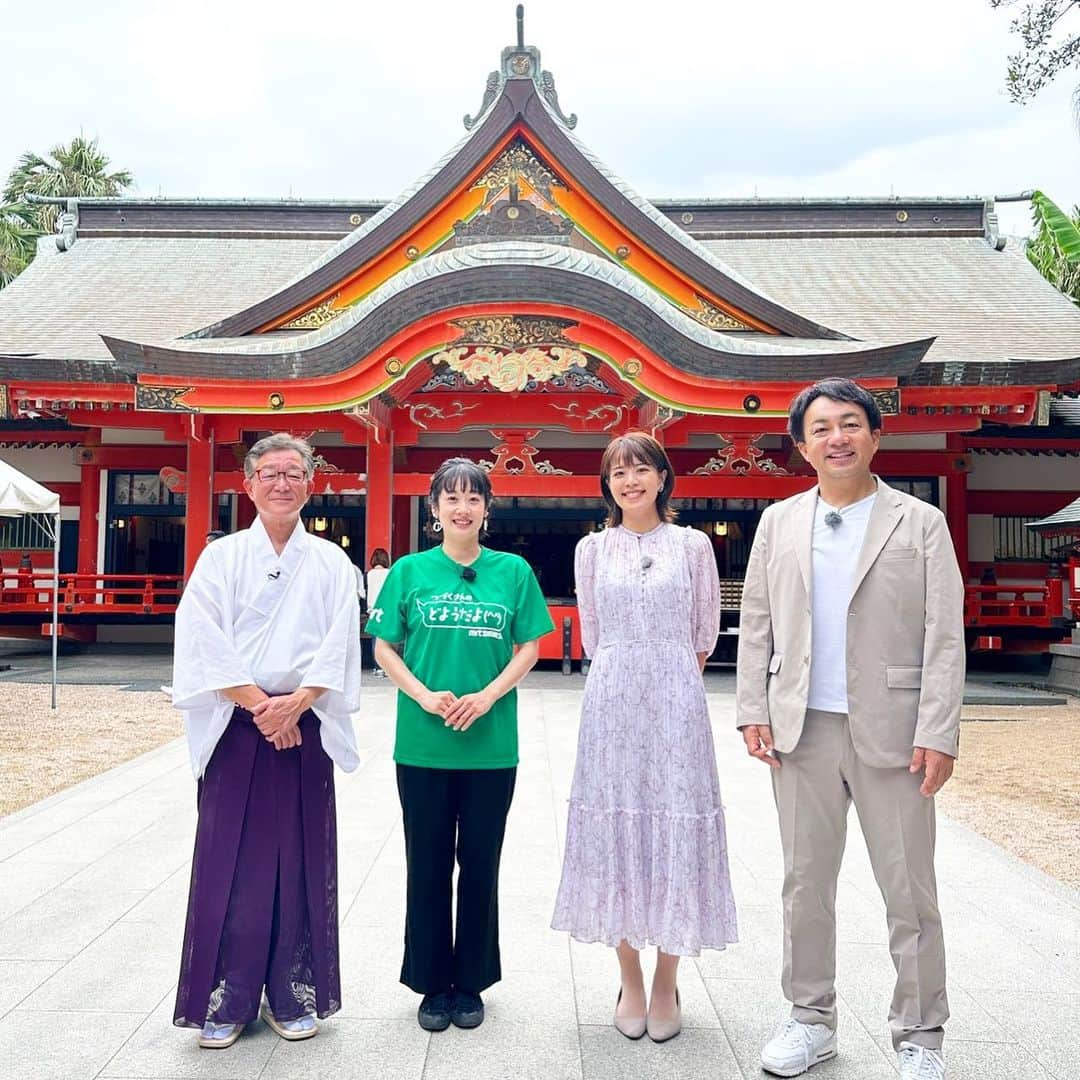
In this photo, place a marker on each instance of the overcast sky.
(328, 99)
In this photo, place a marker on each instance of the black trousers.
(448, 813)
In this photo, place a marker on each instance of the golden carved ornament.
(632, 368)
(393, 366)
(412, 252)
(715, 318)
(518, 160)
(3, 402)
(513, 331)
(315, 318)
(276, 400)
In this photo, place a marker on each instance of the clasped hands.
(936, 766)
(278, 718)
(457, 712)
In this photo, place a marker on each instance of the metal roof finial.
(520, 61)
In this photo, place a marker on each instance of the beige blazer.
(905, 632)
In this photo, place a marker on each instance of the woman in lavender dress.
(646, 852)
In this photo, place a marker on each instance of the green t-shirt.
(458, 635)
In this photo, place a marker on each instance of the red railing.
(31, 592)
(1038, 605)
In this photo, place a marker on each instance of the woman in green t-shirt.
(456, 629)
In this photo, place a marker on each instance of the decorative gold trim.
(316, 317)
(622, 252)
(513, 331)
(412, 252)
(356, 219)
(393, 366)
(3, 402)
(518, 160)
(276, 400)
(632, 368)
(162, 398)
(715, 318)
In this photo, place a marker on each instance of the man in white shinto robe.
(267, 671)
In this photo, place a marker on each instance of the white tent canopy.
(20, 495)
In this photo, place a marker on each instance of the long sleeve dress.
(646, 848)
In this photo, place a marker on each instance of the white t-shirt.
(835, 552)
(375, 578)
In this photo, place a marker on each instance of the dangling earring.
(436, 526)
(485, 524)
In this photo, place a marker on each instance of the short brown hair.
(630, 449)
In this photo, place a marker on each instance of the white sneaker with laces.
(797, 1047)
(920, 1063)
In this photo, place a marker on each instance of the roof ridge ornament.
(521, 61)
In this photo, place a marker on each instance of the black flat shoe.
(466, 1009)
(434, 1012)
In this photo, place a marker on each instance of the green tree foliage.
(79, 168)
(18, 236)
(1055, 248)
(76, 169)
(1045, 49)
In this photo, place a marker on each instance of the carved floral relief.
(511, 371)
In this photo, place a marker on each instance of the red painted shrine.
(520, 305)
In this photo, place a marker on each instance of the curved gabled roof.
(520, 272)
(520, 106)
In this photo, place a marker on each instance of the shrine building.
(520, 304)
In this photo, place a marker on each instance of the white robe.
(248, 615)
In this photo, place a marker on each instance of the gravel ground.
(1017, 781)
(92, 729)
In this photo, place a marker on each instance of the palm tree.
(79, 168)
(18, 235)
(1054, 250)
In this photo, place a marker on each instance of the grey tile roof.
(527, 253)
(147, 289)
(1065, 518)
(981, 304)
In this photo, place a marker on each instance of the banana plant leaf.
(1066, 235)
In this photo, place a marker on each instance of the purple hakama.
(262, 910)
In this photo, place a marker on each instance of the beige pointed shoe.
(662, 1030)
(633, 1027)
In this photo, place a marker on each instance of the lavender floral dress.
(646, 850)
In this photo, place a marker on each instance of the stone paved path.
(93, 884)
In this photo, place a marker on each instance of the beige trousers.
(813, 788)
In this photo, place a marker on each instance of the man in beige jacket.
(850, 680)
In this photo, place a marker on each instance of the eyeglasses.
(269, 476)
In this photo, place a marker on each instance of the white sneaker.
(920, 1063)
(796, 1047)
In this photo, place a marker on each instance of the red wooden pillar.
(89, 508)
(380, 492)
(956, 509)
(200, 490)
